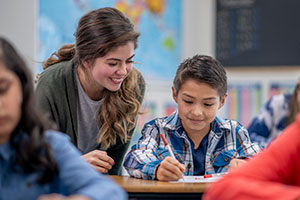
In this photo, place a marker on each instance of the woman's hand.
(170, 170)
(61, 197)
(99, 160)
(234, 163)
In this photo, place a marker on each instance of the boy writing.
(202, 142)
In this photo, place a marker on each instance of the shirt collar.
(219, 125)
(6, 151)
(173, 122)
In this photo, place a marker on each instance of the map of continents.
(158, 21)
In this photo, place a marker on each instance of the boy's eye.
(129, 61)
(188, 102)
(208, 104)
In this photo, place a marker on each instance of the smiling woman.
(91, 89)
(36, 162)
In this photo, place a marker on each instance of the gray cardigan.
(58, 95)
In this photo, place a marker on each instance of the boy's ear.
(223, 101)
(174, 94)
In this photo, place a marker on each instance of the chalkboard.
(258, 32)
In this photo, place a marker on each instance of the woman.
(33, 160)
(91, 89)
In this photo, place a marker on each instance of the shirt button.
(28, 184)
(189, 166)
(226, 159)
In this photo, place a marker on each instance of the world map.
(159, 22)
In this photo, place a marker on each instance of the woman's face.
(10, 102)
(110, 70)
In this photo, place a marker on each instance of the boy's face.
(198, 104)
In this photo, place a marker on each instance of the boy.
(202, 142)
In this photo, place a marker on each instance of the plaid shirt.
(227, 139)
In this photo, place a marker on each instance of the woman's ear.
(174, 94)
(85, 64)
(222, 102)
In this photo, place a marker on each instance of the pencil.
(167, 145)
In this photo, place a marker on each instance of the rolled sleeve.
(76, 176)
(244, 145)
(143, 159)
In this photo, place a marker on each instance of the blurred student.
(277, 113)
(33, 160)
(203, 143)
(273, 174)
(92, 91)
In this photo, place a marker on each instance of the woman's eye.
(112, 64)
(129, 61)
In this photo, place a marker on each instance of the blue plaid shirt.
(227, 139)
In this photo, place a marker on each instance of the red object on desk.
(208, 176)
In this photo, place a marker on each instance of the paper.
(200, 179)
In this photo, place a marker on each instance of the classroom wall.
(18, 23)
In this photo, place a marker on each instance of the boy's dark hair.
(204, 69)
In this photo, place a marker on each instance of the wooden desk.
(147, 189)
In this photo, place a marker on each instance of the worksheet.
(209, 178)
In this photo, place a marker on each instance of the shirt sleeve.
(143, 159)
(245, 147)
(271, 175)
(76, 176)
(45, 97)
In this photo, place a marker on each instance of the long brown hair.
(99, 32)
(28, 139)
(294, 107)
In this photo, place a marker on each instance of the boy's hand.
(170, 170)
(234, 163)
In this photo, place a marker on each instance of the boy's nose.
(197, 111)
